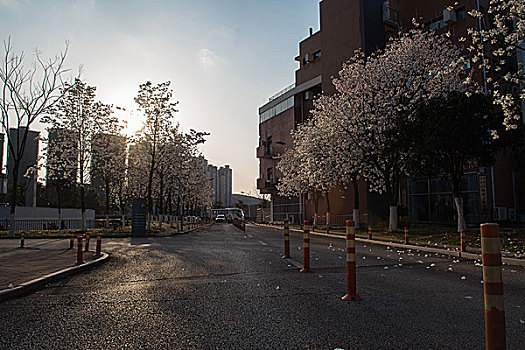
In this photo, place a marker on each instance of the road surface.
(220, 288)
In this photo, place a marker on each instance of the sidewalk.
(451, 250)
(38, 262)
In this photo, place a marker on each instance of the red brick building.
(495, 193)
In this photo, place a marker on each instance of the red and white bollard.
(286, 239)
(369, 232)
(71, 243)
(80, 259)
(99, 244)
(493, 287)
(306, 248)
(22, 240)
(351, 283)
(406, 236)
(463, 241)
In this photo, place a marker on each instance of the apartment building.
(27, 180)
(346, 25)
(221, 184)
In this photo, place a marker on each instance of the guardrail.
(44, 224)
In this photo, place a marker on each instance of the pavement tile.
(39, 258)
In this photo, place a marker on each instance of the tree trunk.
(392, 222)
(461, 217)
(316, 208)
(14, 198)
(458, 200)
(107, 203)
(327, 209)
(161, 198)
(394, 196)
(59, 209)
(83, 207)
(355, 213)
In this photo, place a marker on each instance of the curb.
(38, 283)
(189, 231)
(454, 253)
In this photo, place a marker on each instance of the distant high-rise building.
(211, 172)
(108, 154)
(225, 185)
(221, 184)
(62, 156)
(26, 180)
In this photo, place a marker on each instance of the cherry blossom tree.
(62, 156)
(499, 49)
(310, 166)
(340, 150)
(373, 94)
(109, 164)
(85, 118)
(452, 134)
(155, 102)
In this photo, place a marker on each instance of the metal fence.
(44, 225)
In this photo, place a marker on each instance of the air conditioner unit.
(513, 215)
(500, 213)
(308, 95)
(308, 58)
(449, 16)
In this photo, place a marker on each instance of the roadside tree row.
(411, 109)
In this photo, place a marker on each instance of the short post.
(87, 242)
(71, 242)
(327, 227)
(22, 240)
(286, 239)
(306, 248)
(351, 287)
(463, 241)
(406, 236)
(80, 259)
(369, 232)
(99, 244)
(493, 287)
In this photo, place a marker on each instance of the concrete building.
(496, 193)
(211, 174)
(221, 184)
(62, 156)
(26, 180)
(225, 185)
(108, 154)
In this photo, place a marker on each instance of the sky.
(224, 58)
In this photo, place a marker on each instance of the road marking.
(262, 243)
(250, 235)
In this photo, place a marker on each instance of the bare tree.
(27, 94)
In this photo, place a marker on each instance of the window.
(278, 109)
(269, 174)
(317, 54)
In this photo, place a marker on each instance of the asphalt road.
(220, 288)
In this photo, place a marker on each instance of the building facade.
(62, 156)
(221, 184)
(27, 180)
(493, 193)
(224, 175)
